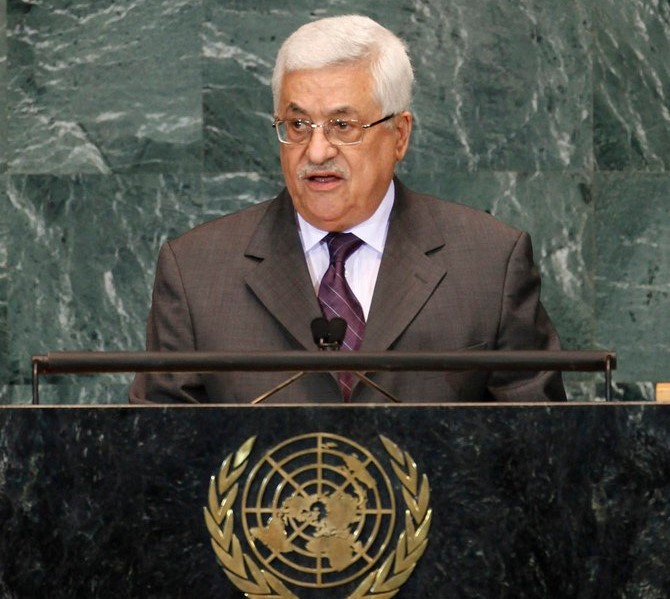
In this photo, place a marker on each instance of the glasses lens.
(344, 132)
(294, 131)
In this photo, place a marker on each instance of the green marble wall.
(124, 122)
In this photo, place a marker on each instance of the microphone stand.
(329, 337)
(322, 332)
(375, 386)
(279, 387)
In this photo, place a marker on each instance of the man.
(428, 275)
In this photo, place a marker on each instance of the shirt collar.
(372, 231)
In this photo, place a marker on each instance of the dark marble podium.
(529, 501)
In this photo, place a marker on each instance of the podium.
(569, 500)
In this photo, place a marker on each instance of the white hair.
(350, 39)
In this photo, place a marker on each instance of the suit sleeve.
(169, 328)
(525, 325)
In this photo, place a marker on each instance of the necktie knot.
(341, 246)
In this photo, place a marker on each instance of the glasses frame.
(327, 127)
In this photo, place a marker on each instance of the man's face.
(336, 187)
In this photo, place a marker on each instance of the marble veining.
(124, 123)
(534, 502)
(632, 85)
(104, 87)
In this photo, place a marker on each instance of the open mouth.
(323, 178)
(322, 174)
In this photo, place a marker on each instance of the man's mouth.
(322, 174)
(323, 178)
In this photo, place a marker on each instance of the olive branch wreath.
(255, 583)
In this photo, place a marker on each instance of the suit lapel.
(407, 275)
(281, 280)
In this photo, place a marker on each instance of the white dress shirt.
(362, 267)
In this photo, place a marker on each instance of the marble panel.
(499, 86)
(527, 502)
(502, 86)
(82, 269)
(229, 192)
(516, 104)
(4, 284)
(633, 272)
(631, 84)
(104, 87)
(3, 86)
(240, 41)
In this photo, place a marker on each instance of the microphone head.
(320, 330)
(338, 328)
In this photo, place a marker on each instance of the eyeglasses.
(339, 132)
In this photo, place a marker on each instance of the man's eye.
(342, 125)
(299, 125)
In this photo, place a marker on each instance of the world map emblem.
(318, 511)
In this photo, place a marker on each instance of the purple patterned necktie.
(337, 298)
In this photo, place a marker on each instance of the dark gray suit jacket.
(451, 278)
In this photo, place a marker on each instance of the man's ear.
(403, 125)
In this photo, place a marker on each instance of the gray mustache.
(312, 169)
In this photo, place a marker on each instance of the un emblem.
(318, 511)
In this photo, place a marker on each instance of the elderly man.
(408, 272)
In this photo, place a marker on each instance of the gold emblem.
(318, 511)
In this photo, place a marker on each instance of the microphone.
(328, 335)
(338, 328)
(320, 332)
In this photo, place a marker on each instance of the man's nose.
(319, 149)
